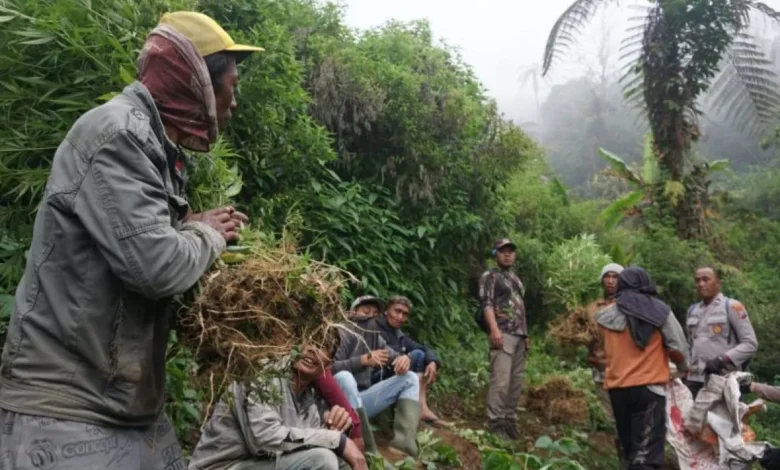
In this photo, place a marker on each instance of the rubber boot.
(368, 435)
(407, 419)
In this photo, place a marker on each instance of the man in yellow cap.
(83, 368)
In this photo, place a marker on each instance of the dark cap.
(502, 243)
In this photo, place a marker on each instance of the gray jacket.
(244, 428)
(88, 335)
(360, 337)
(720, 328)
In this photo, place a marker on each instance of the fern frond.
(767, 10)
(745, 91)
(568, 25)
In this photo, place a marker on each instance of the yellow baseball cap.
(205, 33)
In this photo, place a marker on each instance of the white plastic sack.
(718, 406)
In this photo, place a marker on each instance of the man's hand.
(238, 218)
(527, 343)
(338, 419)
(354, 457)
(376, 358)
(225, 220)
(496, 338)
(431, 370)
(401, 364)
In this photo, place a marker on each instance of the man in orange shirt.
(640, 335)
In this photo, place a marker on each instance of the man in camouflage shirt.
(501, 292)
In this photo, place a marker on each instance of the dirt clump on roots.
(577, 328)
(559, 402)
(248, 316)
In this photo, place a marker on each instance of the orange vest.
(629, 366)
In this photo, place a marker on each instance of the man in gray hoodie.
(362, 351)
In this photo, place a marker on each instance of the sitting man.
(292, 433)
(424, 361)
(363, 349)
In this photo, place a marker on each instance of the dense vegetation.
(378, 151)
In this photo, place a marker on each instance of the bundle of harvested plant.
(559, 401)
(577, 328)
(251, 313)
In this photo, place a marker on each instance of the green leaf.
(108, 96)
(718, 165)
(127, 77)
(4, 19)
(614, 213)
(234, 189)
(6, 305)
(544, 442)
(620, 166)
(39, 41)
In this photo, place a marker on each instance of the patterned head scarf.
(175, 74)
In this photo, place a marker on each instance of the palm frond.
(568, 25)
(745, 91)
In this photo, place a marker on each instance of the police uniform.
(719, 329)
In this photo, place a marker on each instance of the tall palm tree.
(681, 50)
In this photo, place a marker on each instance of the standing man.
(720, 334)
(424, 361)
(640, 336)
(596, 355)
(83, 368)
(501, 293)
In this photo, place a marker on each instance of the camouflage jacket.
(503, 291)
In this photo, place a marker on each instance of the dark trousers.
(640, 418)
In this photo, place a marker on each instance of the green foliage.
(573, 272)
(558, 454)
(184, 400)
(59, 59)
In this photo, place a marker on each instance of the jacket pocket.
(718, 326)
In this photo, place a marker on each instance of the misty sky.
(501, 37)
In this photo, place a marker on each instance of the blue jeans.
(417, 360)
(381, 396)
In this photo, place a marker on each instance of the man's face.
(610, 283)
(312, 363)
(397, 315)
(505, 256)
(367, 310)
(226, 96)
(707, 283)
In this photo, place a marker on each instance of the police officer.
(720, 334)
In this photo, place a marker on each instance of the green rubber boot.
(405, 423)
(368, 435)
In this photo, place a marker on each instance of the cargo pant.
(39, 443)
(507, 366)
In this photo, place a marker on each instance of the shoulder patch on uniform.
(739, 309)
